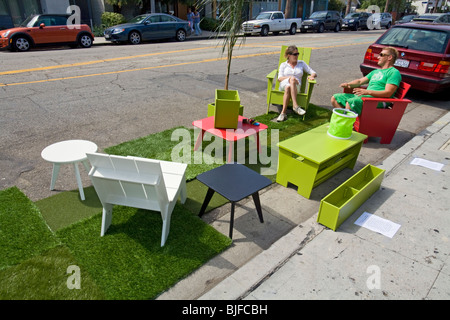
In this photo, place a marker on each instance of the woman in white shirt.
(290, 76)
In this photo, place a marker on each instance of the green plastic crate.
(212, 109)
(343, 201)
(226, 111)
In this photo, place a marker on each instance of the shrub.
(112, 18)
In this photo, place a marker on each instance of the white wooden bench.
(139, 183)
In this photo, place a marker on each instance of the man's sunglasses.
(294, 54)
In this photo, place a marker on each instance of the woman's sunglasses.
(294, 54)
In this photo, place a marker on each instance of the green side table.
(310, 158)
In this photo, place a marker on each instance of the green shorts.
(353, 100)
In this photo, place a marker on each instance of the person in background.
(196, 17)
(190, 18)
(290, 76)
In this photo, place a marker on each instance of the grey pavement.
(314, 262)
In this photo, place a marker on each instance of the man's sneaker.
(282, 117)
(299, 111)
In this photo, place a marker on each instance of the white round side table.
(69, 151)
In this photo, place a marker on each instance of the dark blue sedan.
(149, 27)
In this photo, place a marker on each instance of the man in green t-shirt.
(383, 83)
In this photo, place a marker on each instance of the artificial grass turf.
(23, 231)
(66, 208)
(129, 263)
(45, 277)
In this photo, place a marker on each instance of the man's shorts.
(353, 100)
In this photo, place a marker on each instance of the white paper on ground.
(377, 224)
(427, 164)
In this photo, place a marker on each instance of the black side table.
(233, 181)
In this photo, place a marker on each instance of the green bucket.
(341, 123)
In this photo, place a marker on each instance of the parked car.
(355, 20)
(406, 18)
(271, 21)
(147, 27)
(6, 22)
(320, 21)
(46, 30)
(434, 17)
(380, 20)
(424, 54)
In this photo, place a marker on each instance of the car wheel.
(303, 30)
(180, 35)
(293, 29)
(337, 28)
(321, 28)
(21, 44)
(134, 37)
(355, 28)
(85, 41)
(265, 31)
(388, 25)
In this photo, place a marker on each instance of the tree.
(288, 9)
(349, 6)
(231, 19)
(117, 4)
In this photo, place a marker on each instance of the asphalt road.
(114, 93)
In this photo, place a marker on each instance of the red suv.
(424, 54)
(45, 30)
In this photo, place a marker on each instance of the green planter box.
(340, 204)
(226, 111)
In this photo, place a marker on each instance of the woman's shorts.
(285, 83)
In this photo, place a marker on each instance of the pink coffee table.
(231, 135)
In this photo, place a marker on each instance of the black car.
(147, 27)
(433, 17)
(407, 18)
(320, 21)
(355, 20)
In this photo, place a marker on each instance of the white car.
(271, 21)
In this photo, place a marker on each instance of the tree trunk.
(386, 7)
(349, 6)
(288, 9)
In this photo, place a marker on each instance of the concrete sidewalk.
(314, 262)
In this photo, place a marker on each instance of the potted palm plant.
(227, 106)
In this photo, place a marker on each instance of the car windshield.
(138, 19)
(262, 16)
(352, 15)
(416, 39)
(321, 14)
(29, 22)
